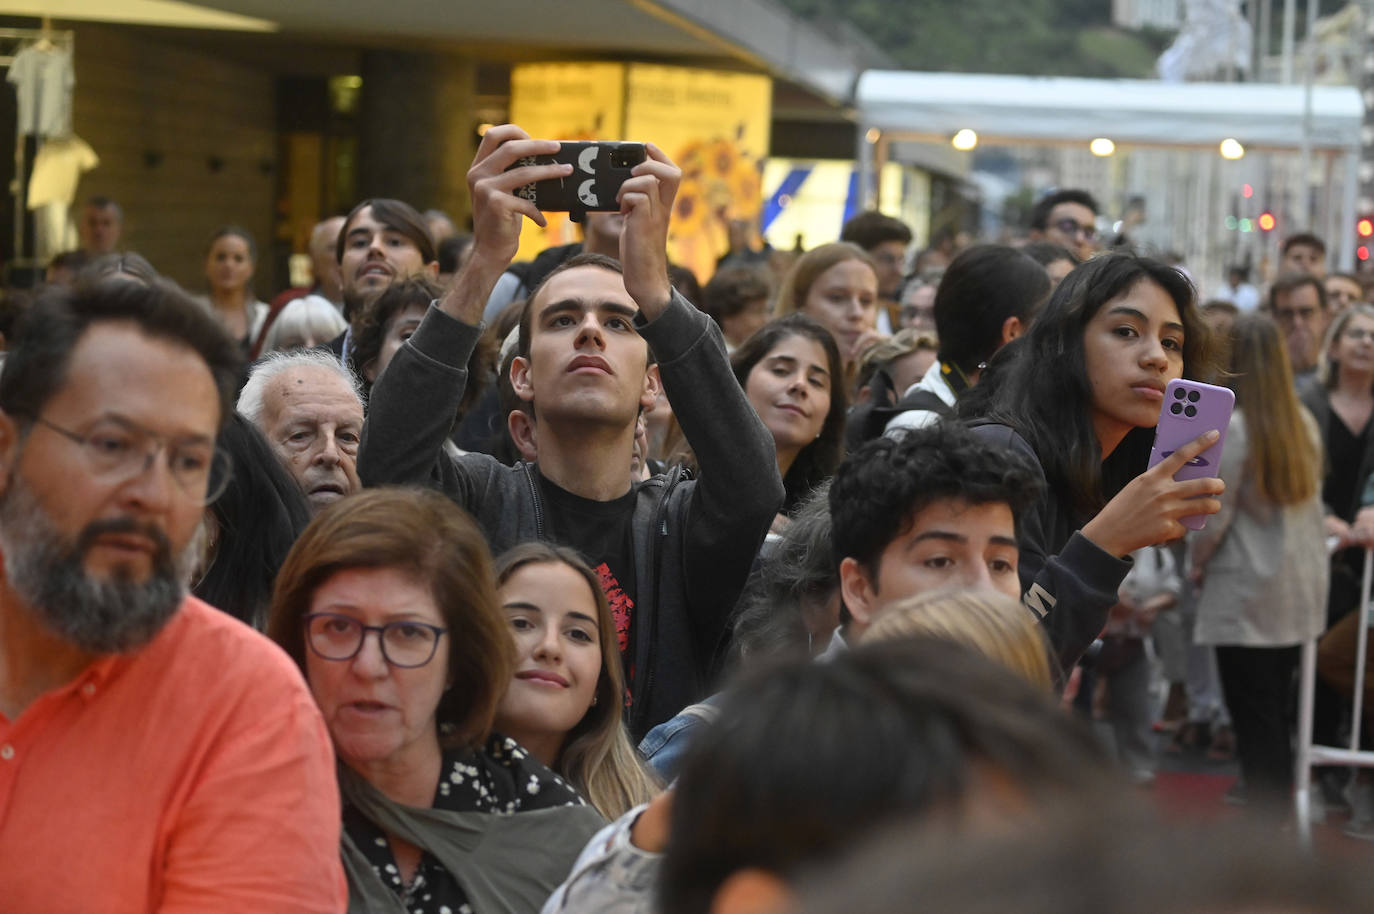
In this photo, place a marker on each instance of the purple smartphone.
(1190, 409)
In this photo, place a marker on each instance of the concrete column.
(416, 135)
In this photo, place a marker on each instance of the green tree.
(1038, 37)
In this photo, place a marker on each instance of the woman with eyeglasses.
(387, 603)
(1069, 219)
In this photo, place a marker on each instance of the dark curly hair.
(371, 325)
(818, 459)
(878, 491)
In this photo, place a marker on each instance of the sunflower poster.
(565, 101)
(713, 124)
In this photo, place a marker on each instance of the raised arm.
(415, 401)
(739, 491)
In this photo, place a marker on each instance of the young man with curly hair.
(936, 509)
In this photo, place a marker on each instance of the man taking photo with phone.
(672, 553)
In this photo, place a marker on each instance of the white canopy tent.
(932, 107)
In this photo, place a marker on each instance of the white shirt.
(933, 381)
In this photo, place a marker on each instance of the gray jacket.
(1266, 565)
(694, 540)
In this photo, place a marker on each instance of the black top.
(1344, 450)
(1067, 580)
(694, 540)
(501, 779)
(1318, 400)
(602, 533)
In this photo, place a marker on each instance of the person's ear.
(370, 371)
(522, 433)
(653, 386)
(752, 891)
(1011, 329)
(520, 378)
(431, 269)
(859, 593)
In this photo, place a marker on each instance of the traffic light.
(1267, 221)
(1365, 230)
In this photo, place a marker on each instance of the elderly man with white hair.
(311, 411)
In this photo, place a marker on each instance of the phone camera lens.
(1176, 408)
(1194, 395)
(1178, 393)
(1190, 411)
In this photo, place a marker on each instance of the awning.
(933, 106)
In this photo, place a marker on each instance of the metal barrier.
(1308, 754)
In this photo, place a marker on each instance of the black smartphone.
(599, 170)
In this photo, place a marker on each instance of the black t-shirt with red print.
(602, 533)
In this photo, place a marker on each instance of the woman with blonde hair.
(1261, 562)
(837, 284)
(991, 623)
(1341, 398)
(565, 698)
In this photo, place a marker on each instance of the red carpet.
(1197, 796)
(1184, 796)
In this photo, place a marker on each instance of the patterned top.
(502, 779)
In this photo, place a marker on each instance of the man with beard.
(155, 754)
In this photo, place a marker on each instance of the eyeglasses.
(407, 644)
(1073, 229)
(1355, 335)
(117, 450)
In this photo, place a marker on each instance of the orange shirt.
(193, 774)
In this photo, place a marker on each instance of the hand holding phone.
(599, 169)
(1190, 409)
(1181, 486)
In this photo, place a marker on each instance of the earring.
(595, 699)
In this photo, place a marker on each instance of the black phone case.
(599, 170)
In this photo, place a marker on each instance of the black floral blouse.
(503, 779)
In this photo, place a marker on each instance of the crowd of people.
(795, 589)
